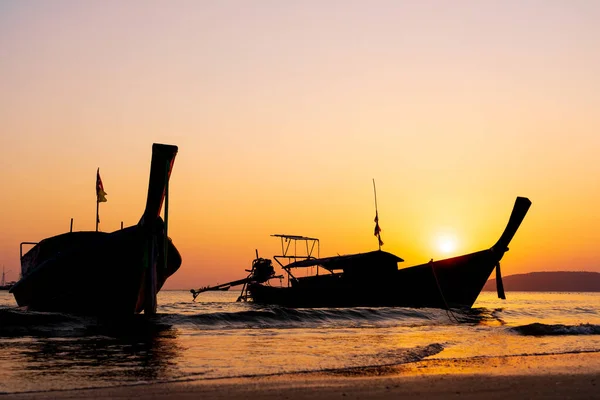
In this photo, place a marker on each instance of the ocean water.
(215, 337)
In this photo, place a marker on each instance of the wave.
(12, 316)
(539, 329)
(280, 317)
(16, 321)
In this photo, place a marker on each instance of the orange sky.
(284, 113)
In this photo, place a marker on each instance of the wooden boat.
(373, 279)
(100, 273)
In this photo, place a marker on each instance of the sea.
(216, 337)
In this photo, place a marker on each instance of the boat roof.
(293, 237)
(340, 262)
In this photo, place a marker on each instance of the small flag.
(100, 193)
(377, 231)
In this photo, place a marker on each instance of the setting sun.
(446, 244)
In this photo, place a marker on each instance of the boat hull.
(116, 273)
(373, 279)
(94, 272)
(450, 283)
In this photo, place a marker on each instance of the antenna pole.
(375, 193)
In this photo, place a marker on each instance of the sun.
(446, 244)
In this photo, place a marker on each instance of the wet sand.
(570, 376)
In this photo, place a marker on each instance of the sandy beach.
(567, 376)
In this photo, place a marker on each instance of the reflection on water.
(481, 316)
(100, 354)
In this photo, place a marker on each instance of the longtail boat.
(118, 273)
(373, 279)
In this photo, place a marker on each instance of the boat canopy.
(349, 261)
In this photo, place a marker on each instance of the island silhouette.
(550, 281)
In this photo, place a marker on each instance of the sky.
(284, 113)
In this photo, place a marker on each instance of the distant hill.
(563, 281)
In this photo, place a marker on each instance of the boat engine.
(262, 270)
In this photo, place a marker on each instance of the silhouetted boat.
(373, 279)
(116, 273)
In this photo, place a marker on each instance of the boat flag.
(100, 196)
(100, 193)
(377, 231)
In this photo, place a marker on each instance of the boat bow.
(519, 211)
(163, 157)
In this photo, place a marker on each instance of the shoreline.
(575, 376)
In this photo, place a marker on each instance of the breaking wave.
(16, 321)
(538, 329)
(280, 317)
